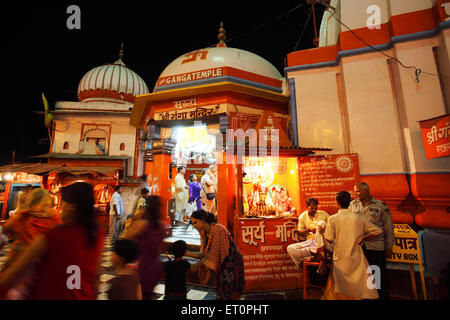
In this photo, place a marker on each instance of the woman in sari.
(74, 246)
(208, 187)
(34, 218)
(149, 230)
(194, 191)
(218, 253)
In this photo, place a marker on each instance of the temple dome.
(220, 63)
(112, 82)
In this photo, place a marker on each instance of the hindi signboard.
(262, 243)
(321, 177)
(406, 248)
(191, 113)
(436, 136)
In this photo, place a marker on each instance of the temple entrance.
(196, 151)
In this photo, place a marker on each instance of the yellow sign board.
(406, 248)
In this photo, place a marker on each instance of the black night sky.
(42, 55)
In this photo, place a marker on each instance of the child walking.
(126, 285)
(175, 286)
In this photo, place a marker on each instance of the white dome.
(112, 82)
(219, 64)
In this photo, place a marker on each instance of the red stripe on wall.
(403, 24)
(229, 71)
(412, 22)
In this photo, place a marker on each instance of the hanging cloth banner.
(436, 136)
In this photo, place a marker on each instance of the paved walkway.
(195, 291)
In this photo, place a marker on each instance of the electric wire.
(417, 71)
(263, 25)
(304, 29)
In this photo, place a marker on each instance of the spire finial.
(221, 36)
(121, 51)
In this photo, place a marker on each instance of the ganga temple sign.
(190, 76)
(188, 113)
(436, 136)
(263, 244)
(321, 177)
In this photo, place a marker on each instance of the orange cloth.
(25, 226)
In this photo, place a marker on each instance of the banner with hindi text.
(262, 243)
(321, 177)
(436, 136)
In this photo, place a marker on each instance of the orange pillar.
(226, 192)
(162, 184)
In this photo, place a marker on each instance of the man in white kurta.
(181, 195)
(308, 222)
(347, 231)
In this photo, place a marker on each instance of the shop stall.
(53, 177)
(272, 192)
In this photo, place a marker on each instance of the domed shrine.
(236, 77)
(112, 82)
(220, 63)
(95, 130)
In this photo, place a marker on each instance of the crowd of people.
(58, 255)
(194, 195)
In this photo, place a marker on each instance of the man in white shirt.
(181, 195)
(115, 214)
(308, 226)
(350, 278)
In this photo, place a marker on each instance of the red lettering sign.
(436, 136)
(190, 76)
(192, 56)
(263, 243)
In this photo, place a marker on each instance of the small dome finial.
(121, 51)
(221, 36)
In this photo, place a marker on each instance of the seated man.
(308, 225)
